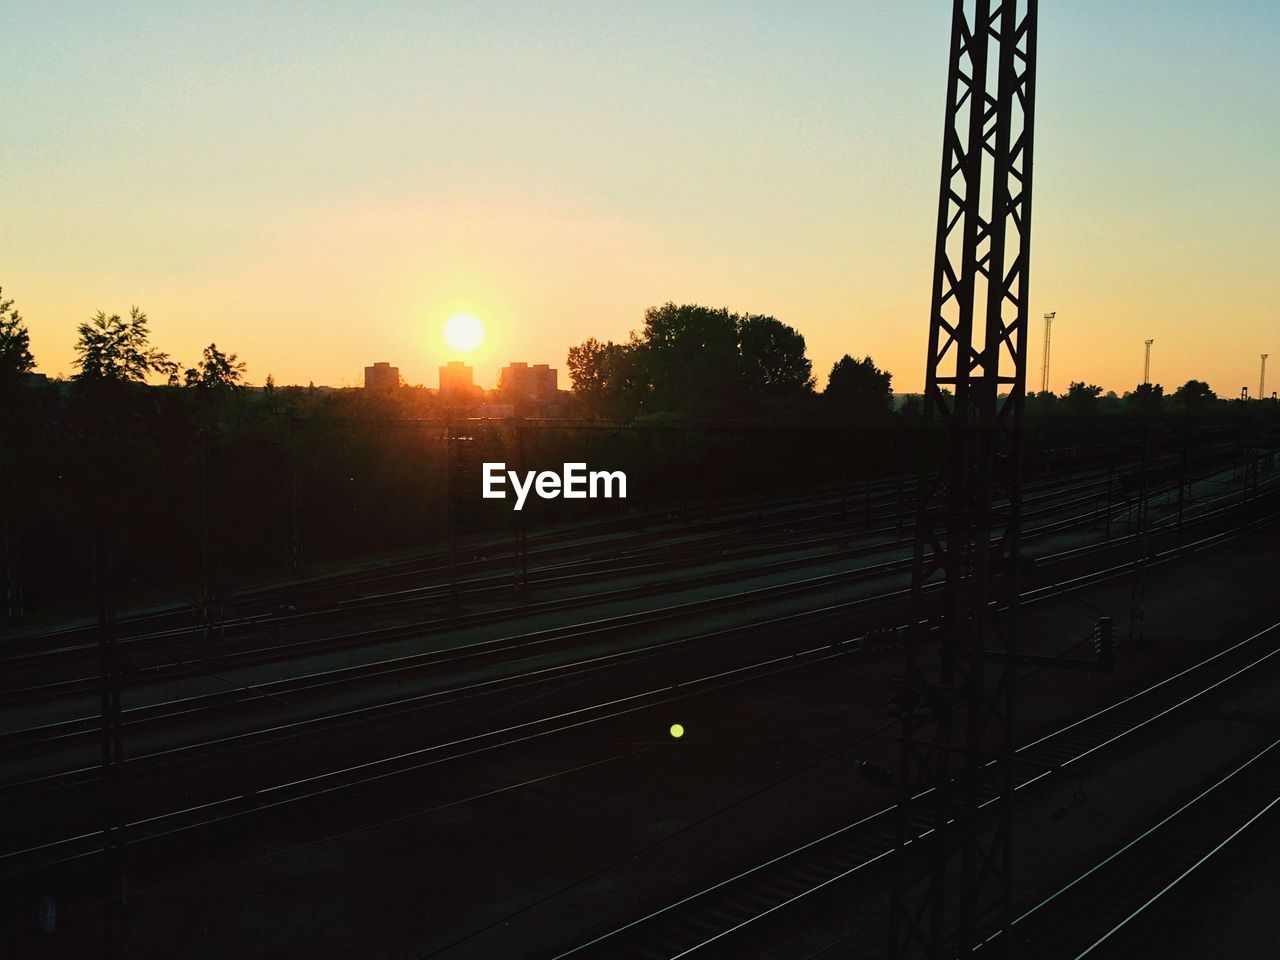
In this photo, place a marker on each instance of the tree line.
(1087, 399)
(685, 362)
(199, 482)
(696, 361)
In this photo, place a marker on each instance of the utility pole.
(453, 437)
(1044, 363)
(1111, 471)
(205, 591)
(114, 871)
(1138, 589)
(1182, 483)
(953, 879)
(1146, 363)
(897, 459)
(463, 443)
(295, 538)
(521, 558)
(1251, 463)
(10, 530)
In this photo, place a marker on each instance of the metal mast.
(1262, 379)
(1146, 363)
(1044, 364)
(953, 862)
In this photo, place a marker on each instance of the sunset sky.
(319, 186)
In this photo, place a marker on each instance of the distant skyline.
(320, 188)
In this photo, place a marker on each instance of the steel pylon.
(954, 857)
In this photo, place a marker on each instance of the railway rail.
(624, 632)
(172, 823)
(703, 924)
(487, 568)
(201, 659)
(1081, 918)
(233, 806)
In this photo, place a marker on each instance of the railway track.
(704, 924)
(633, 532)
(200, 659)
(175, 823)
(566, 560)
(218, 810)
(1081, 918)
(627, 636)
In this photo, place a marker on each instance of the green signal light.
(677, 731)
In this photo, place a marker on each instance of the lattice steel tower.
(953, 862)
(1044, 363)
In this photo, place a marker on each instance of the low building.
(381, 376)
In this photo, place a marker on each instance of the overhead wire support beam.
(975, 387)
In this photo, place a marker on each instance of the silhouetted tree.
(1040, 404)
(15, 345)
(588, 369)
(774, 367)
(112, 350)
(115, 456)
(1145, 398)
(610, 377)
(217, 372)
(212, 382)
(858, 388)
(16, 440)
(1082, 398)
(696, 361)
(1194, 395)
(691, 360)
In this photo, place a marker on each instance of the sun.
(463, 332)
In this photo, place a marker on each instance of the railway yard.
(528, 532)
(466, 754)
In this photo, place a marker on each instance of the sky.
(318, 186)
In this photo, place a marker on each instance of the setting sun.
(463, 332)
